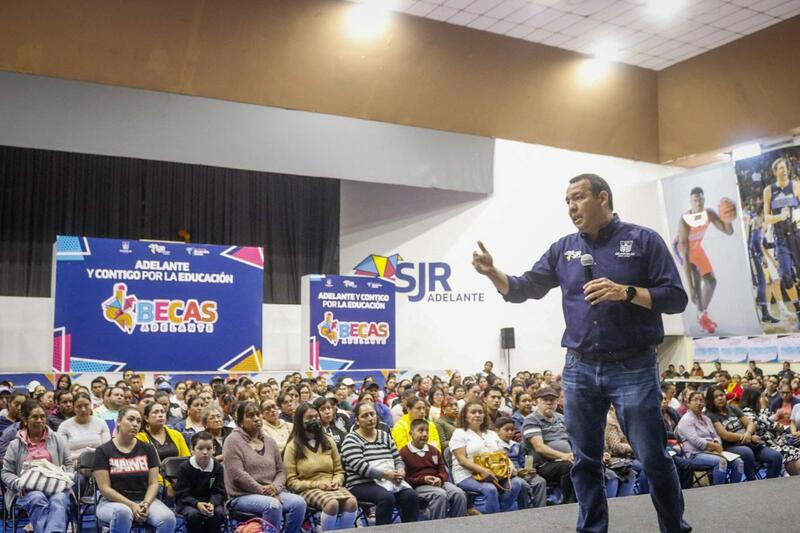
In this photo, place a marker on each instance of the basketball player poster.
(770, 193)
(708, 245)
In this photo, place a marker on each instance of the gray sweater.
(247, 470)
(18, 451)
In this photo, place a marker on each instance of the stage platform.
(764, 505)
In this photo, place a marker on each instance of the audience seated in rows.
(406, 448)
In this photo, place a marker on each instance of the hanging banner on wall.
(708, 244)
(156, 306)
(770, 195)
(348, 322)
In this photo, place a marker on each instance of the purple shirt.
(624, 253)
(696, 432)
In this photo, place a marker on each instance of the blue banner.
(350, 322)
(156, 306)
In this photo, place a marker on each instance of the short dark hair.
(60, 393)
(696, 190)
(201, 435)
(418, 422)
(502, 421)
(597, 185)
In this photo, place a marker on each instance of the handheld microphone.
(587, 262)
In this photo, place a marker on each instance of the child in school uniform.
(534, 493)
(427, 473)
(200, 487)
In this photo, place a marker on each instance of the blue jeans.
(47, 513)
(722, 469)
(119, 516)
(490, 499)
(633, 387)
(291, 506)
(772, 459)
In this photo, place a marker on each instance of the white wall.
(518, 221)
(525, 213)
(75, 116)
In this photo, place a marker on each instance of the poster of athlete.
(707, 241)
(770, 193)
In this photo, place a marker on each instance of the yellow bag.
(500, 466)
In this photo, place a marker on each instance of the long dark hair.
(69, 382)
(710, 407)
(751, 397)
(298, 435)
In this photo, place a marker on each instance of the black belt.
(619, 355)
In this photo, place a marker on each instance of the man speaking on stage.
(616, 279)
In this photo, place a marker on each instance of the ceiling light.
(664, 8)
(369, 19)
(596, 67)
(746, 150)
(592, 70)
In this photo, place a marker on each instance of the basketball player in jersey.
(781, 199)
(754, 222)
(700, 277)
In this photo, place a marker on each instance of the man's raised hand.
(482, 261)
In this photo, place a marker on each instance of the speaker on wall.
(507, 338)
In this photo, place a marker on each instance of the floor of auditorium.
(766, 505)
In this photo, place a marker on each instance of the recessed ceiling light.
(370, 18)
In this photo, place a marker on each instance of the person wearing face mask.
(36, 441)
(327, 413)
(126, 471)
(314, 470)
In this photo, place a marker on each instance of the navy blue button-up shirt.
(624, 253)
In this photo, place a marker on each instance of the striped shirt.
(359, 456)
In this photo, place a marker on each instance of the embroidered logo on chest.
(569, 255)
(625, 249)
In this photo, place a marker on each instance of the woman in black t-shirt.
(126, 471)
(738, 434)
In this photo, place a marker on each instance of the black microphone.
(587, 262)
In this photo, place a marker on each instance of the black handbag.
(620, 466)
